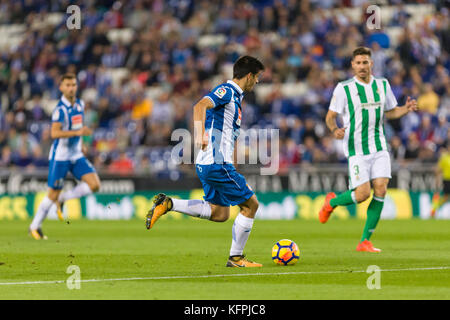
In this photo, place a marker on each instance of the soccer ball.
(285, 252)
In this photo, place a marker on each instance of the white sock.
(41, 213)
(195, 208)
(80, 190)
(378, 199)
(241, 231)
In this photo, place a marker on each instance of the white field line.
(221, 276)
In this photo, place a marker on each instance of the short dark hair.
(361, 51)
(245, 65)
(69, 76)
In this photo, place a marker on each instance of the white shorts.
(363, 168)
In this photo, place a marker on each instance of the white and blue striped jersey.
(222, 124)
(71, 117)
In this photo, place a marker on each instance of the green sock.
(373, 215)
(344, 199)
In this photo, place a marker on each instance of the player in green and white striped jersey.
(363, 102)
(362, 106)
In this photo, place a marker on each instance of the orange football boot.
(242, 262)
(366, 246)
(434, 204)
(327, 209)
(161, 205)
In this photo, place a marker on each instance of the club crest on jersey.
(220, 92)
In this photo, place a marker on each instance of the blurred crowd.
(180, 50)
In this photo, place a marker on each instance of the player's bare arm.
(57, 132)
(398, 112)
(200, 139)
(330, 120)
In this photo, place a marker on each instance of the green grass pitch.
(185, 259)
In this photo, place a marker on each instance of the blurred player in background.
(217, 119)
(363, 101)
(442, 176)
(66, 155)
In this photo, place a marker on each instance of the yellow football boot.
(59, 210)
(37, 234)
(242, 262)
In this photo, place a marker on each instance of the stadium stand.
(143, 64)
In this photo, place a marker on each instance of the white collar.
(363, 83)
(67, 102)
(234, 84)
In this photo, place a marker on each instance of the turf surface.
(185, 259)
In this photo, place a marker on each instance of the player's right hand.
(339, 133)
(85, 131)
(201, 141)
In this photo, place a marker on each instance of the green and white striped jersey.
(362, 107)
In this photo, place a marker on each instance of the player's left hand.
(84, 149)
(411, 104)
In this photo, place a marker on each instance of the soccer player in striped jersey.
(66, 155)
(363, 102)
(217, 120)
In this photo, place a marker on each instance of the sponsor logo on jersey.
(77, 121)
(370, 105)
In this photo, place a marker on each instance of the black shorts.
(446, 186)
